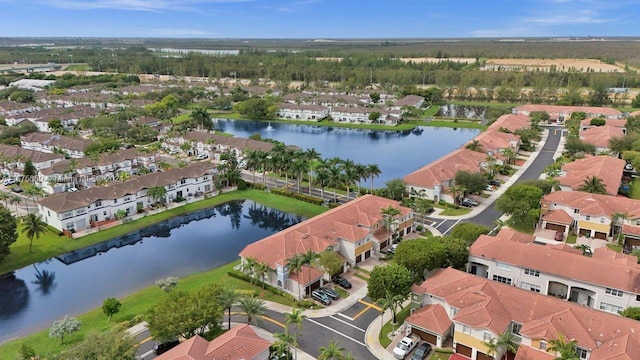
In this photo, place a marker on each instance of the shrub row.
(257, 186)
(302, 197)
(306, 303)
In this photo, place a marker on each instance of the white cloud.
(135, 5)
(579, 17)
(291, 7)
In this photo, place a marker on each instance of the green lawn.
(388, 327)
(449, 211)
(571, 239)
(481, 103)
(634, 189)
(133, 307)
(50, 244)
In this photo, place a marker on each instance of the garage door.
(430, 338)
(555, 227)
(383, 244)
(463, 350)
(482, 356)
(359, 258)
(631, 241)
(584, 232)
(601, 235)
(367, 254)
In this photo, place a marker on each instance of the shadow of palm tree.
(45, 280)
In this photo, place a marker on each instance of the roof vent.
(305, 235)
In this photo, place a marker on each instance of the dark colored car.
(165, 346)
(342, 282)
(421, 351)
(330, 292)
(321, 297)
(16, 189)
(559, 236)
(495, 182)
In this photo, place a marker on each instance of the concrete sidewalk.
(372, 339)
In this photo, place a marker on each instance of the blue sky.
(319, 18)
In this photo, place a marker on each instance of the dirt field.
(545, 64)
(437, 60)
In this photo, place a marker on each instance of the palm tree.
(4, 197)
(288, 341)
(310, 258)
(491, 165)
(295, 317)
(311, 156)
(391, 302)
(388, 216)
(261, 272)
(322, 178)
(593, 184)
(249, 267)
(505, 343)
(298, 167)
(457, 191)
(252, 158)
(396, 189)
(33, 227)
(295, 264)
(15, 199)
(335, 179)
(373, 170)
(361, 173)
(474, 145)
(157, 194)
(333, 351)
(33, 192)
(123, 176)
(201, 119)
(565, 349)
(228, 297)
(617, 220)
(252, 307)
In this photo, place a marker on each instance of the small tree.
(29, 170)
(27, 352)
(331, 262)
(392, 278)
(110, 307)
(33, 227)
(64, 326)
(167, 284)
(374, 116)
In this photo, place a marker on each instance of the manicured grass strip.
(634, 189)
(50, 244)
(133, 307)
(571, 239)
(388, 327)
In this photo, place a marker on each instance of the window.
(530, 287)
(502, 279)
(614, 292)
(515, 328)
(582, 353)
(502, 266)
(128, 198)
(454, 312)
(67, 214)
(486, 336)
(611, 308)
(115, 201)
(183, 181)
(98, 203)
(587, 217)
(637, 297)
(543, 345)
(80, 211)
(601, 220)
(531, 272)
(466, 329)
(575, 211)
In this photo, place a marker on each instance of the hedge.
(306, 303)
(298, 196)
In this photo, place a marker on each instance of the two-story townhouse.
(51, 143)
(65, 174)
(494, 143)
(606, 168)
(600, 136)
(481, 310)
(618, 123)
(291, 111)
(511, 123)
(589, 214)
(10, 108)
(408, 101)
(212, 144)
(561, 113)
(433, 180)
(77, 210)
(354, 230)
(13, 158)
(361, 115)
(558, 270)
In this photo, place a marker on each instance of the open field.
(420, 60)
(582, 65)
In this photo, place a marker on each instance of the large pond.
(397, 153)
(33, 297)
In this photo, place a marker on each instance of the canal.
(397, 153)
(33, 297)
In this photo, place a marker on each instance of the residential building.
(52, 143)
(291, 111)
(494, 143)
(41, 118)
(212, 144)
(13, 158)
(589, 214)
(600, 136)
(558, 270)
(606, 168)
(11, 108)
(482, 309)
(511, 123)
(561, 113)
(361, 115)
(619, 123)
(434, 180)
(355, 230)
(409, 100)
(87, 208)
(241, 342)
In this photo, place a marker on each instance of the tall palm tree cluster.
(334, 172)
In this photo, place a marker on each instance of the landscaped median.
(133, 307)
(50, 244)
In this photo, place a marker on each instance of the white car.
(173, 152)
(8, 182)
(202, 156)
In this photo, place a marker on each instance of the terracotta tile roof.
(483, 303)
(635, 113)
(306, 275)
(511, 122)
(510, 234)
(600, 135)
(235, 142)
(350, 222)
(631, 230)
(589, 110)
(595, 204)
(527, 353)
(558, 217)
(239, 343)
(431, 317)
(550, 260)
(609, 255)
(619, 123)
(445, 168)
(493, 140)
(607, 168)
(66, 201)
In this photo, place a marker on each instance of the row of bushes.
(244, 277)
(446, 204)
(302, 197)
(257, 186)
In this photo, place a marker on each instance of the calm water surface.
(396, 152)
(33, 297)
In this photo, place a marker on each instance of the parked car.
(421, 351)
(392, 249)
(488, 188)
(72, 189)
(321, 297)
(16, 189)
(8, 182)
(330, 292)
(628, 167)
(494, 182)
(202, 156)
(342, 282)
(173, 152)
(559, 236)
(469, 202)
(162, 348)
